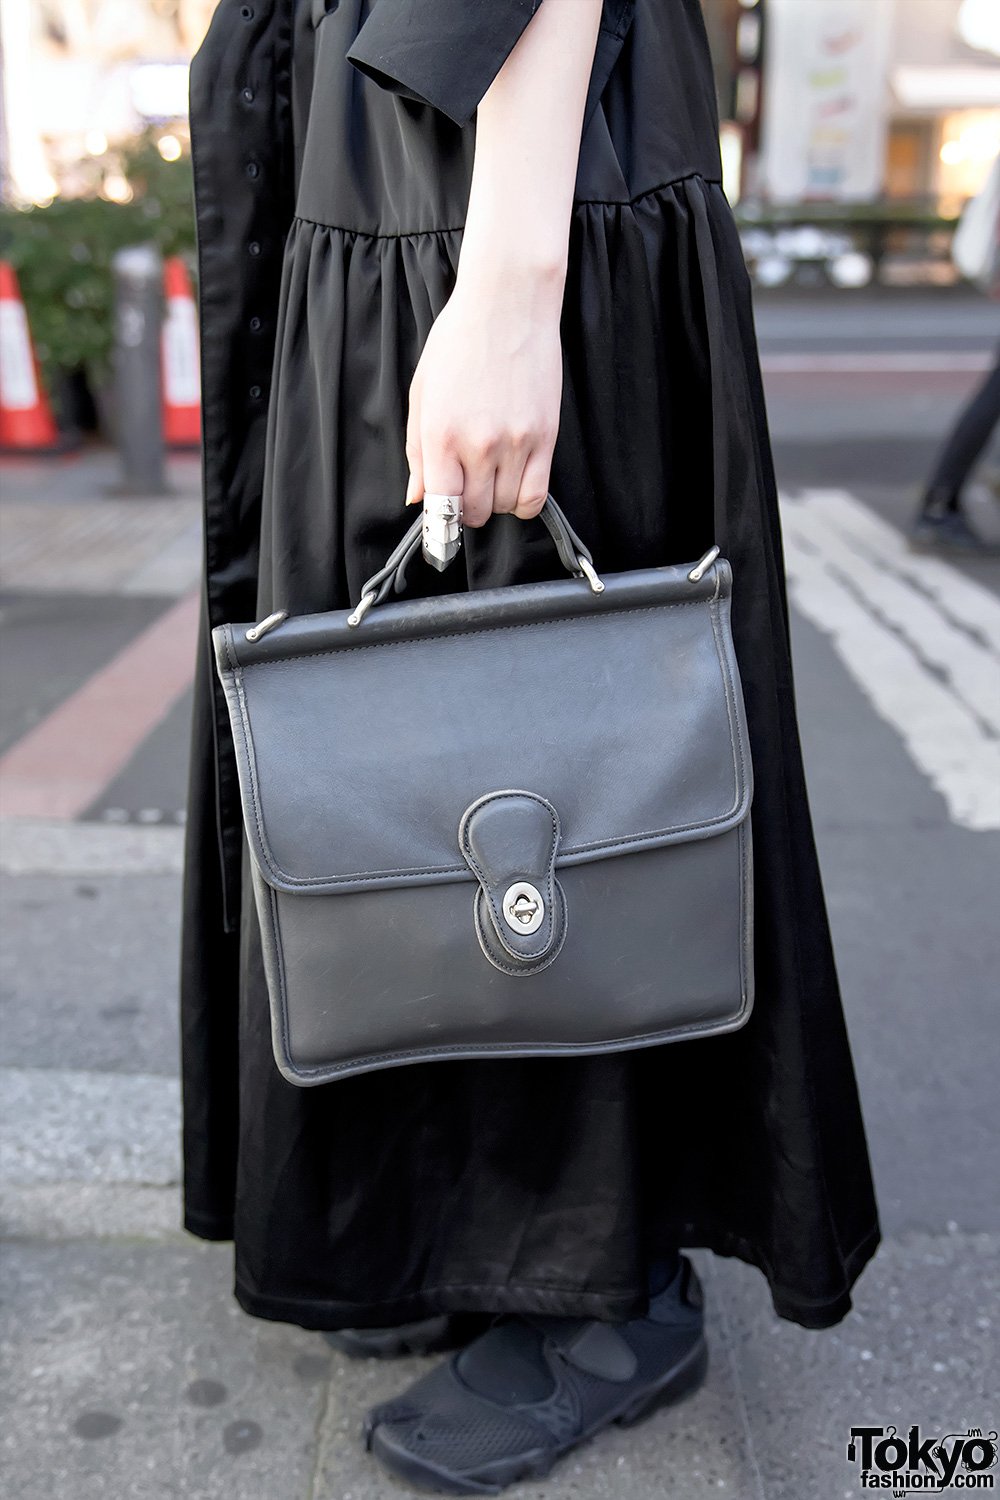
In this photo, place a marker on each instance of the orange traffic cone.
(26, 421)
(179, 359)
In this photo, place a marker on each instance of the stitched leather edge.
(572, 854)
(374, 1061)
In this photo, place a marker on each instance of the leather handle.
(574, 555)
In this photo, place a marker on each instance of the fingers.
(534, 487)
(522, 481)
(504, 472)
(521, 484)
(479, 464)
(451, 466)
(442, 471)
(515, 484)
(509, 475)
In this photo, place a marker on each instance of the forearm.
(485, 397)
(528, 128)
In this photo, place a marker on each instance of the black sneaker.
(949, 531)
(530, 1389)
(427, 1336)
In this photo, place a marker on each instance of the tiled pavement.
(98, 601)
(129, 1371)
(64, 528)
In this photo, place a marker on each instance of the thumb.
(415, 483)
(414, 456)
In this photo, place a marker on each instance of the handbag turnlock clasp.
(523, 907)
(510, 840)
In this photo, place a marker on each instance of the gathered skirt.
(547, 1184)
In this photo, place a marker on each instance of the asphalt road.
(899, 700)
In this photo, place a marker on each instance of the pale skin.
(484, 400)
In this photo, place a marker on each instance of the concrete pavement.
(130, 1371)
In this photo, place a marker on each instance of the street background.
(130, 1371)
(852, 135)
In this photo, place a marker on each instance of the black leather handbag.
(508, 822)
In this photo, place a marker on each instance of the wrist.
(536, 273)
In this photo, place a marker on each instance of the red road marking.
(64, 763)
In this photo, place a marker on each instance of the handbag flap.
(360, 750)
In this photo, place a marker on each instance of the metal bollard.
(138, 273)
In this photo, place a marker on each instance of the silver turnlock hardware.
(523, 907)
(510, 840)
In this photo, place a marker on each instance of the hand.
(485, 396)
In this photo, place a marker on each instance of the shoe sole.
(433, 1336)
(683, 1380)
(931, 545)
(953, 549)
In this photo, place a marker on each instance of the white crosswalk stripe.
(920, 639)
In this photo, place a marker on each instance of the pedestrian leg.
(940, 521)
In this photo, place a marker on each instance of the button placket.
(247, 126)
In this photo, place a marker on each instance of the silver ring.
(445, 507)
(441, 532)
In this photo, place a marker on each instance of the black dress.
(333, 149)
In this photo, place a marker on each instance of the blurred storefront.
(858, 101)
(822, 100)
(82, 78)
(852, 131)
(944, 104)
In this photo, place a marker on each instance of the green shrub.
(62, 255)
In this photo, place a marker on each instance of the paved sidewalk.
(99, 604)
(66, 527)
(130, 1372)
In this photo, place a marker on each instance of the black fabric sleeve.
(440, 52)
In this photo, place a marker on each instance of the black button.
(255, 325)
(254, 247)
(253, 170)
(255, 392)
(246, 11)
(248, 96)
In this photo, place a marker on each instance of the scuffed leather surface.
(359, 750)
(472, 740)
(657, 950)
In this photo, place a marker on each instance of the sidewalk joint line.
(741, 1403)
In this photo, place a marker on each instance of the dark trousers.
(965, 443)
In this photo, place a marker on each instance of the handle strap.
(574, 555)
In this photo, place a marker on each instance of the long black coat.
(333, 144)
